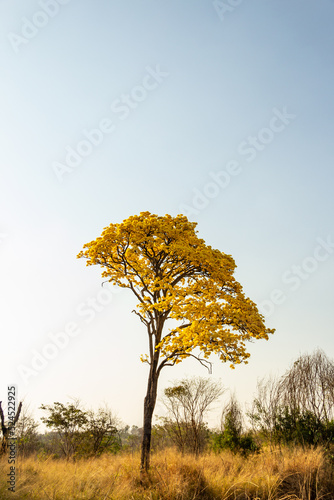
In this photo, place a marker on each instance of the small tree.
(233, 436)
(231, 427)
(176, 276)
(26, 433)
(69, 422)
(265, 408)
(101, 431)
(188, 402)
(308, 386)
(298, 407)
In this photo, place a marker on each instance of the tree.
(232, 434)
(101, 431)
(299, 406)
(26, 433)
(131, 438)
(308, 386)
(81, 432)
(8, 427)
(265, 408)
(187, 402)
(176, 276)
(69, 422)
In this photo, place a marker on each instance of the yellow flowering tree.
(177, 277)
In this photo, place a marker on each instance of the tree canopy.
(175, 275)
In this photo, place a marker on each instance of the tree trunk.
(7, 428)
(149, 405)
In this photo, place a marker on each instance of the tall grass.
(270, 475)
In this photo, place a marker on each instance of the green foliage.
(101, 434)
(232, 436)
(78, 432)
(329, 432)
(244, 444)
(303, 428)
(68, 421)
(130, 439)
(297, 408)
(64, 418)
(26, 433)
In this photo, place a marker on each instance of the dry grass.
(278, 475)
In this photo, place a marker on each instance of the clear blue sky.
(222, 113)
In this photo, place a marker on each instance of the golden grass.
(271, 475)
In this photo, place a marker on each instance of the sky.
(219, 110)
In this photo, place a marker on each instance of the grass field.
(280, 474)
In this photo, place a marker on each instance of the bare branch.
(142, 319)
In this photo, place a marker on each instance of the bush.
(303, 428)
(244, 444)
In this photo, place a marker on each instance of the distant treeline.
(295, 409)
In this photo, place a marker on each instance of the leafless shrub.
(188, 402)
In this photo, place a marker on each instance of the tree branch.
(174, 356)
(142, 319)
